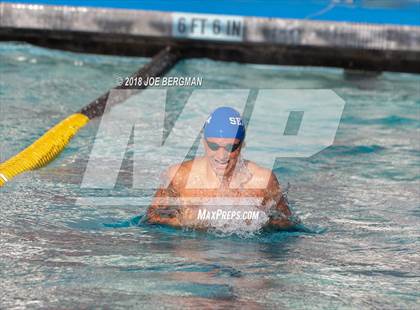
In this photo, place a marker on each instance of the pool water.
(358, 199)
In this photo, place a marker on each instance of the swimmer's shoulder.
(261, 177)
(179, 173)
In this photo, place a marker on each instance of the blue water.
(359, 200)
(399, 12)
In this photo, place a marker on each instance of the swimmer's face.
(221, 160)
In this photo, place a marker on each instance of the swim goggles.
(228, 147)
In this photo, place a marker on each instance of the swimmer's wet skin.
(220, 179)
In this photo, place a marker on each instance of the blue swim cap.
(224, 122)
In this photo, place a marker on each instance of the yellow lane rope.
(46, 148)
(43, 150)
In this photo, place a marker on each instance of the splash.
(231, 216)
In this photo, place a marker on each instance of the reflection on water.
(360, 197)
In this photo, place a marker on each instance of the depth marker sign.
(208, 27)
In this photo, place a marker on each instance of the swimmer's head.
(224, 122)
(224, 132)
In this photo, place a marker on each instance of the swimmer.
(220, 174)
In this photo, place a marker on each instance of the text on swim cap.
(235, 121)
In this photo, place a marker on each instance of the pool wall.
(379, 46)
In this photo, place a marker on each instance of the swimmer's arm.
(162, 210)
(274, 192)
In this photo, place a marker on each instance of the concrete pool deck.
(360, 46)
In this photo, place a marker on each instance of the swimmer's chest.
(194, 183)
(222, 192)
